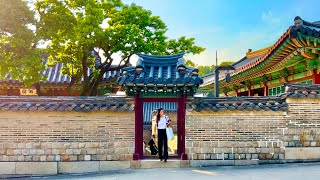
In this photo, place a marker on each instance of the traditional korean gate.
(181, 112)
(160, 79)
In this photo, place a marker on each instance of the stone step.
(153, 163)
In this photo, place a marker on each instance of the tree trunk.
(90, 86)
(94, 87)
(84, 68)
(70, 86)
(38, 88)
(85, 87)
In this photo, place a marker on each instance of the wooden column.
(184, 155)
(250, 92)
(316, 77)
(237, 93)
(179, 124)
(182, 127)
(138, 128)
(266, 90)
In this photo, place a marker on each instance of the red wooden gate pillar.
(184, 155)
(316, 77)
(182, 127)
(138, 128)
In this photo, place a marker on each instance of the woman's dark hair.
(158, 115)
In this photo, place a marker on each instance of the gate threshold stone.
(152, 163)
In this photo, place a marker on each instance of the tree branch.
(97, 53)
(84, 68)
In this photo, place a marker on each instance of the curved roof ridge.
(148, 56)
(258, 52)
(267, 54)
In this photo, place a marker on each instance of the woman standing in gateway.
(163, 122)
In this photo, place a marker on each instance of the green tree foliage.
(182, 44)
(189, 63)
(78, 28)
(226, 63)
(203, 70)
(18, 53)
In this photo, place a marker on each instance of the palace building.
(56, 84)
(293, 58)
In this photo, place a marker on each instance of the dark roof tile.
(54, 75)
(159, 70)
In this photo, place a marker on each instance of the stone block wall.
(210, 134)
(303, 129)
(263, 135)
(66, 136)
(232, 135)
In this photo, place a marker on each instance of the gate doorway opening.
(176, 109)
(151, 144)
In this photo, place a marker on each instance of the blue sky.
(229, 26)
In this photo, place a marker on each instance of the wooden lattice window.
(274, 91)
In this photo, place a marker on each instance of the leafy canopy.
(203, 70)
(18, 53)
(81, 34)
(82, 31)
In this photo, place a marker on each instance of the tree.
(204, 70)
(190, 63)
(19, 55)
(88, 33)
(226, 63)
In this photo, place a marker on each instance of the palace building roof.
(300, 41)
(55, 77)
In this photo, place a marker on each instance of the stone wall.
(264, 135)
(66, 136)
(102, 129)
(304, 123)
(235, 135)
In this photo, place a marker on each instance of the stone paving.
(293, 171)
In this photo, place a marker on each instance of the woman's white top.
(162, 124)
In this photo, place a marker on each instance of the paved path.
(308, 171)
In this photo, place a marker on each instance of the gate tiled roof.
(160, 71)
(63, 103)
(93, 103)
(238, 103)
